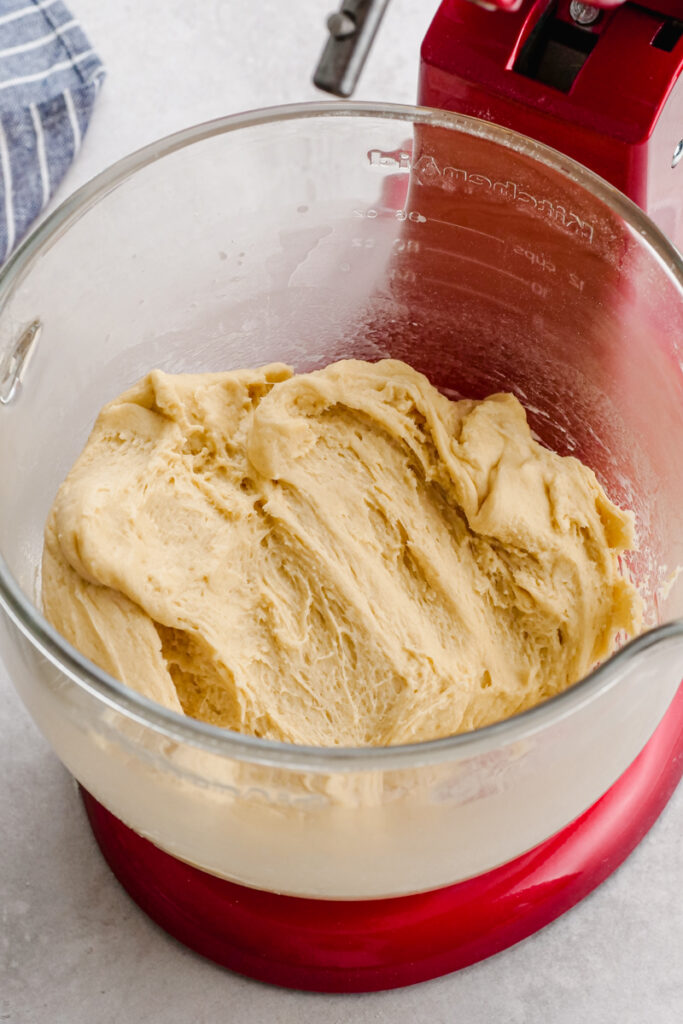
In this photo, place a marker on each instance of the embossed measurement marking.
(371, 214)
(479, 295)
(478, 263)
(416, 217)
(397, 244)
(464, 227)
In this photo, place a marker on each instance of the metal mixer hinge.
(352, 30)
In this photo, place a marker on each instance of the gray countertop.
(73, 947)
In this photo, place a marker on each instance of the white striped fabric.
(40, 154)
(9, 197)
(49, 79)
(33, 44)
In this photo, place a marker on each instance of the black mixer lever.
(352, 30)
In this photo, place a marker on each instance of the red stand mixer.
(601, 83)
(545, 68)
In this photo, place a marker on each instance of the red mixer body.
(608, 94)
(365, 945)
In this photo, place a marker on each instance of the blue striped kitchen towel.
(49, 78)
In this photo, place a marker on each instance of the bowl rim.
(224, 742)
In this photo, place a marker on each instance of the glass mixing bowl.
(307, 234)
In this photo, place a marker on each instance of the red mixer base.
(332, 946)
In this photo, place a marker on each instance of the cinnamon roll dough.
(340, 557)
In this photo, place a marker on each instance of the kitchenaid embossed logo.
(427, 171)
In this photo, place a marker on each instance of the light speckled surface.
(73, 948)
